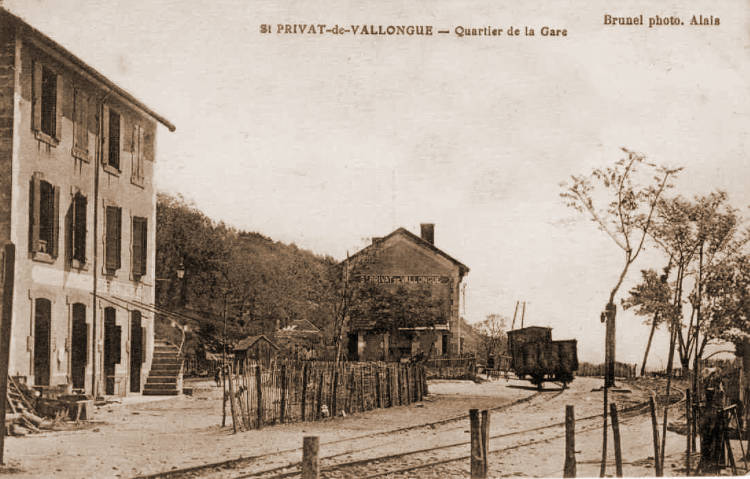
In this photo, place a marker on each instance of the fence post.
(304, 392)
(334, 399)
(485, 440)
(282, 413)
(377, 389)
(259, 390)
(570, 442)
(655, 430)
(389, 385)
(616, 436)
(398, 384)
(232, 400)
(476, 445)
(310, 448)
(320, 396)
(362, 389)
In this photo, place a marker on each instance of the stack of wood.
(21, 417)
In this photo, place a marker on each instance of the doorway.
(42, 326)
(136, 351)
(79, 343)
(112, 348)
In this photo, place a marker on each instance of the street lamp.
(181, 277)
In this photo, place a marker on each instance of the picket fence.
(622, 370)
(451, 368)
(292, 391)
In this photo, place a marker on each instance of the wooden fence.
(291, 391)
(622, 370)
(451, 368)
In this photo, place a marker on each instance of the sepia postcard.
(374, 239)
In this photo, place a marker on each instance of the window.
(80, 126)
(113, 232)
(113, 157)
(138, 147)
(47, 96)
(43, 218)
(140, 240)
(78, 230)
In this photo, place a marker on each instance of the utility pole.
(523, 313)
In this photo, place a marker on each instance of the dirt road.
(150, 437)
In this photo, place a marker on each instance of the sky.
(325, 141)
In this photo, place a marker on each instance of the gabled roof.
(301, 326)
(94, 75)
(418, 240)
(250, 341)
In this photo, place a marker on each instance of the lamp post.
(181, 277)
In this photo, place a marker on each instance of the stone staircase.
(165, 377)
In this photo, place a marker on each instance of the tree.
(651, 298)
(492, 330)
(631, 196)
(630, 203)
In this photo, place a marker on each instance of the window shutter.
(113, 238)
(78, 229)
(105, 135)
(117, 345)
(143, 344)
(137, 247)
(119, 238)
(140, 152)
(55, 221)
(59, 107)
(144, 250)
(37, 96)
(34, 214)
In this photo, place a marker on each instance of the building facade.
(403, 263)
(77, 199)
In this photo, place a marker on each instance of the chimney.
(428, 232)
(375, 239)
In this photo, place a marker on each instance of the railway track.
(244, 463)
(405, 463)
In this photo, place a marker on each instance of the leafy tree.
(630, 191)
(651, 298)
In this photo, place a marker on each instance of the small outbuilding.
(258, 348)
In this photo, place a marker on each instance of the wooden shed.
(258, 348)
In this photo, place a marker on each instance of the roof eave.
(43, 41)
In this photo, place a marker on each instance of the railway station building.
(404, 263)
(77, 200)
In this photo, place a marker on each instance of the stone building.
(78, 201)
(406, 263)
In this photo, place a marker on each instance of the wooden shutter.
(105, 135)
(35, 188)
(113, 241)
(37, 96)
(78, 243)
(137, 247)
(55, 222)
(58, 106)
(143, 344)
(117, 345)
(144, 250)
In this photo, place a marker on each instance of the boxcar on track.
(536, 356)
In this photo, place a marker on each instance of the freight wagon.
(537, 357)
